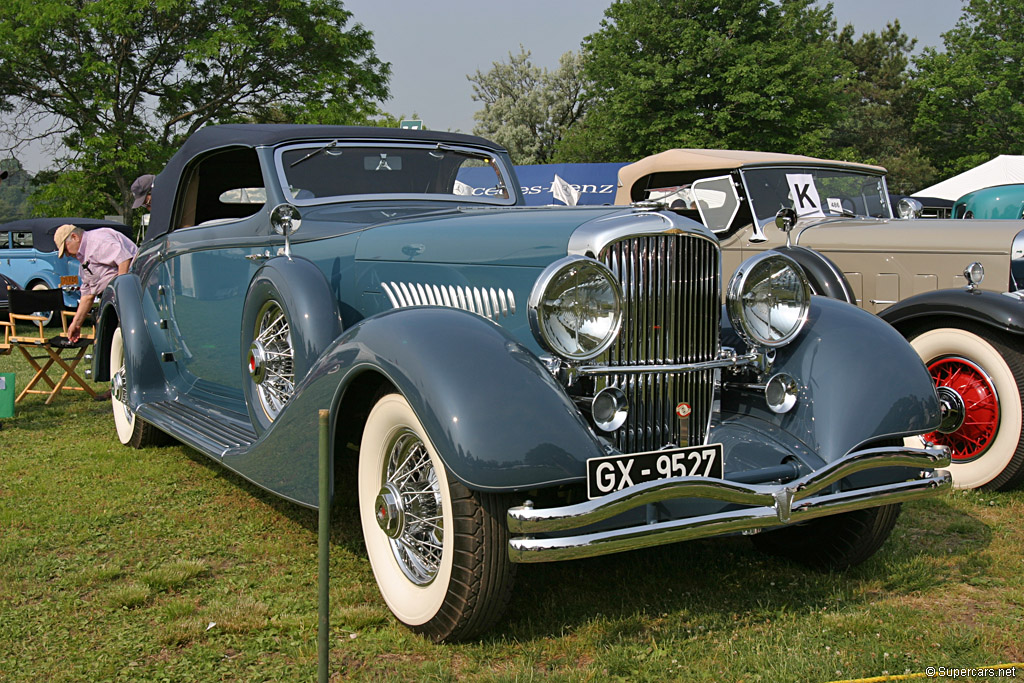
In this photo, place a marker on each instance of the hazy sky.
(432, 46)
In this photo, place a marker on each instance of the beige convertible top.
(716, 160)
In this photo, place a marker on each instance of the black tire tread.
(146, 435)
(482, 575)
(832, 543)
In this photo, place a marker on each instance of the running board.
(205, 427)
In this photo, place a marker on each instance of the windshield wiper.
(329, 145)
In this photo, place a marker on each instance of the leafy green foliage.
(125, 81)
(528, 109)
(710, 73)
(14, 191)
(972, 95)
(876, 126)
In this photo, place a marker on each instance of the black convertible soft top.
(269, 134)
(42, 229)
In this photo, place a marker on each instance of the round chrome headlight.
(768, 299)
(576, 308)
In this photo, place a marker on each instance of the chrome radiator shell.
(671, 284)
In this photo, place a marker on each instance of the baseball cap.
(142, 186)
(59, 237)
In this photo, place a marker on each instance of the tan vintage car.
(840, 226)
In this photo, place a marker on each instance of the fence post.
(324, 619)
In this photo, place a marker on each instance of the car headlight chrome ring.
(768, 299)
(575, 308)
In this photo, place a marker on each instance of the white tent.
(1005, 168)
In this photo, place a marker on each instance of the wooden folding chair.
(25, 307)
(5, 337)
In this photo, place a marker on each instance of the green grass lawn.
(158, 565)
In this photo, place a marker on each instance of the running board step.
(203, 426)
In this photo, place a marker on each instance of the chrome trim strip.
(487, 302)
(592, 237)
(776, 504)
(747, 359)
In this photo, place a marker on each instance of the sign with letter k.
(804, 194)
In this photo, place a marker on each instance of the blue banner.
(596, 183)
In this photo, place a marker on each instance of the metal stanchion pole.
(324, 620)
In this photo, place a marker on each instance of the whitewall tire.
(131, 429)
(438, 550)
(980, 378)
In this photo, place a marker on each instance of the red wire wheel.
(981, 407)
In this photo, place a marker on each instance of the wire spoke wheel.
(439, 551)
(272, 359)
(420, 533)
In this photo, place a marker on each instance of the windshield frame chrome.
(759, 225)
(505, 173)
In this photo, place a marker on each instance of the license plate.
(614, 472)
(68, 280)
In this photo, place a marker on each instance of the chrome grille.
(671, 314)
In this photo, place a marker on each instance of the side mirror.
(285, 219)
(785, 220)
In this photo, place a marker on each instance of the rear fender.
(825, 277)
(122, 304)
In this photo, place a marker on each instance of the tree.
(972, 95)
(876, 126)
(14, 190)
(122, 82)
(751, 74)
(528, 109)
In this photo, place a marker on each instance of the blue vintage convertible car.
(505, 384)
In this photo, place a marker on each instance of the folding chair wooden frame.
(25, 305)
(5, 337)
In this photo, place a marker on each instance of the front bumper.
(769, 505)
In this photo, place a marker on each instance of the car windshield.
(815, 192)
(333, 169)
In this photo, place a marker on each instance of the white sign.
(835, 204)
(804, 194)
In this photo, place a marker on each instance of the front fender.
(493, 412)
(987, 308)
(859, 381)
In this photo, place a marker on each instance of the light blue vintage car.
(516, 384)
(28, 254)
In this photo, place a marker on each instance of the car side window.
(21, 240)
(5, 240)
(222, 186)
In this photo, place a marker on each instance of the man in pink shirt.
(104, 254)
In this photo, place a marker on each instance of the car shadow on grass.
(707, 582)
(713, 582)
(345, 525)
